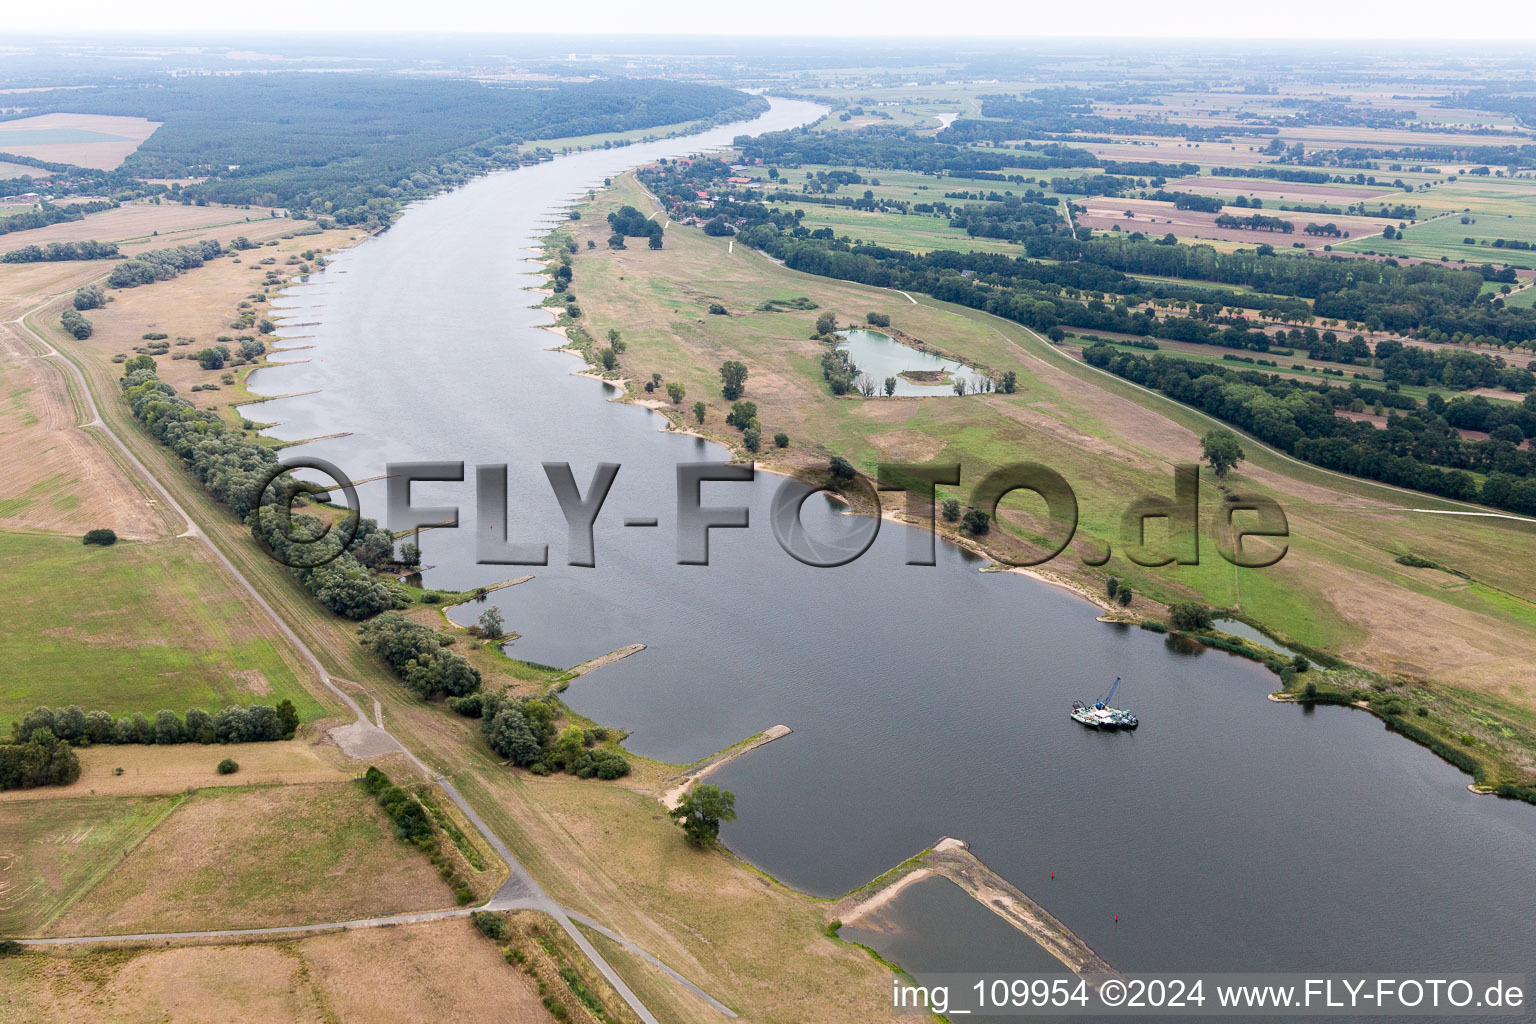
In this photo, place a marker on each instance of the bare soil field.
(1157, 218)
(167, 770)
(1295, 191)
(85, 140)
(133, 227)
(254, 857)
(427, 972)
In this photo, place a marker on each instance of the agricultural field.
(135, 627)
(1159, 218)
(254, 857)
(1290, 191)
(1445, 237)
(52, 852)
(919, 232)
(437, 971)
(144, 225)
(85, 140)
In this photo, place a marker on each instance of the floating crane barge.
(1100, 715)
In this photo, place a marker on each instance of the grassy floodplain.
(1339, 589)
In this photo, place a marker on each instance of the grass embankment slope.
(1443, 636)
(759, 942)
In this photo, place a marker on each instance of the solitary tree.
(699, 408)
(676, 391)
(490, 623)
(976, 521)
(890, 386)
(701, 812)
(1221, 450)
(951, 508)
(826, 324)
(1189, 615)
(1010, 383)
(733, 376)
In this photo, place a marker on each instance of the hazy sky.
(1502, 20)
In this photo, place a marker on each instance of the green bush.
(490, 925)
(104, 537)
(1189, 615)
(228, 767)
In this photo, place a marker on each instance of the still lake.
(1228, 833)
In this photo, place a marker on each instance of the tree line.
(49, 214)
(1420, 449)
(233, 724)
(60, 252)
(233, 469)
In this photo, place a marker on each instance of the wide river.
(1228, 833)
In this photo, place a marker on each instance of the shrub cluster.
(76, 324)
(413, 825)
(419, 656)
(163, 264)
(40, 761)
(523, 731)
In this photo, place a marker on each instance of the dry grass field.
(171, 770)
(134, 227)
(254, 857)
(200, 305)
(443, 971)
(85, 140)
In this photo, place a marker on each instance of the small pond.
(880, 356)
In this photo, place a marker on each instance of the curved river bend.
(1228, 833)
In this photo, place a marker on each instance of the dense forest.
(354, 146)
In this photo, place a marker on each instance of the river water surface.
(1228, 833)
